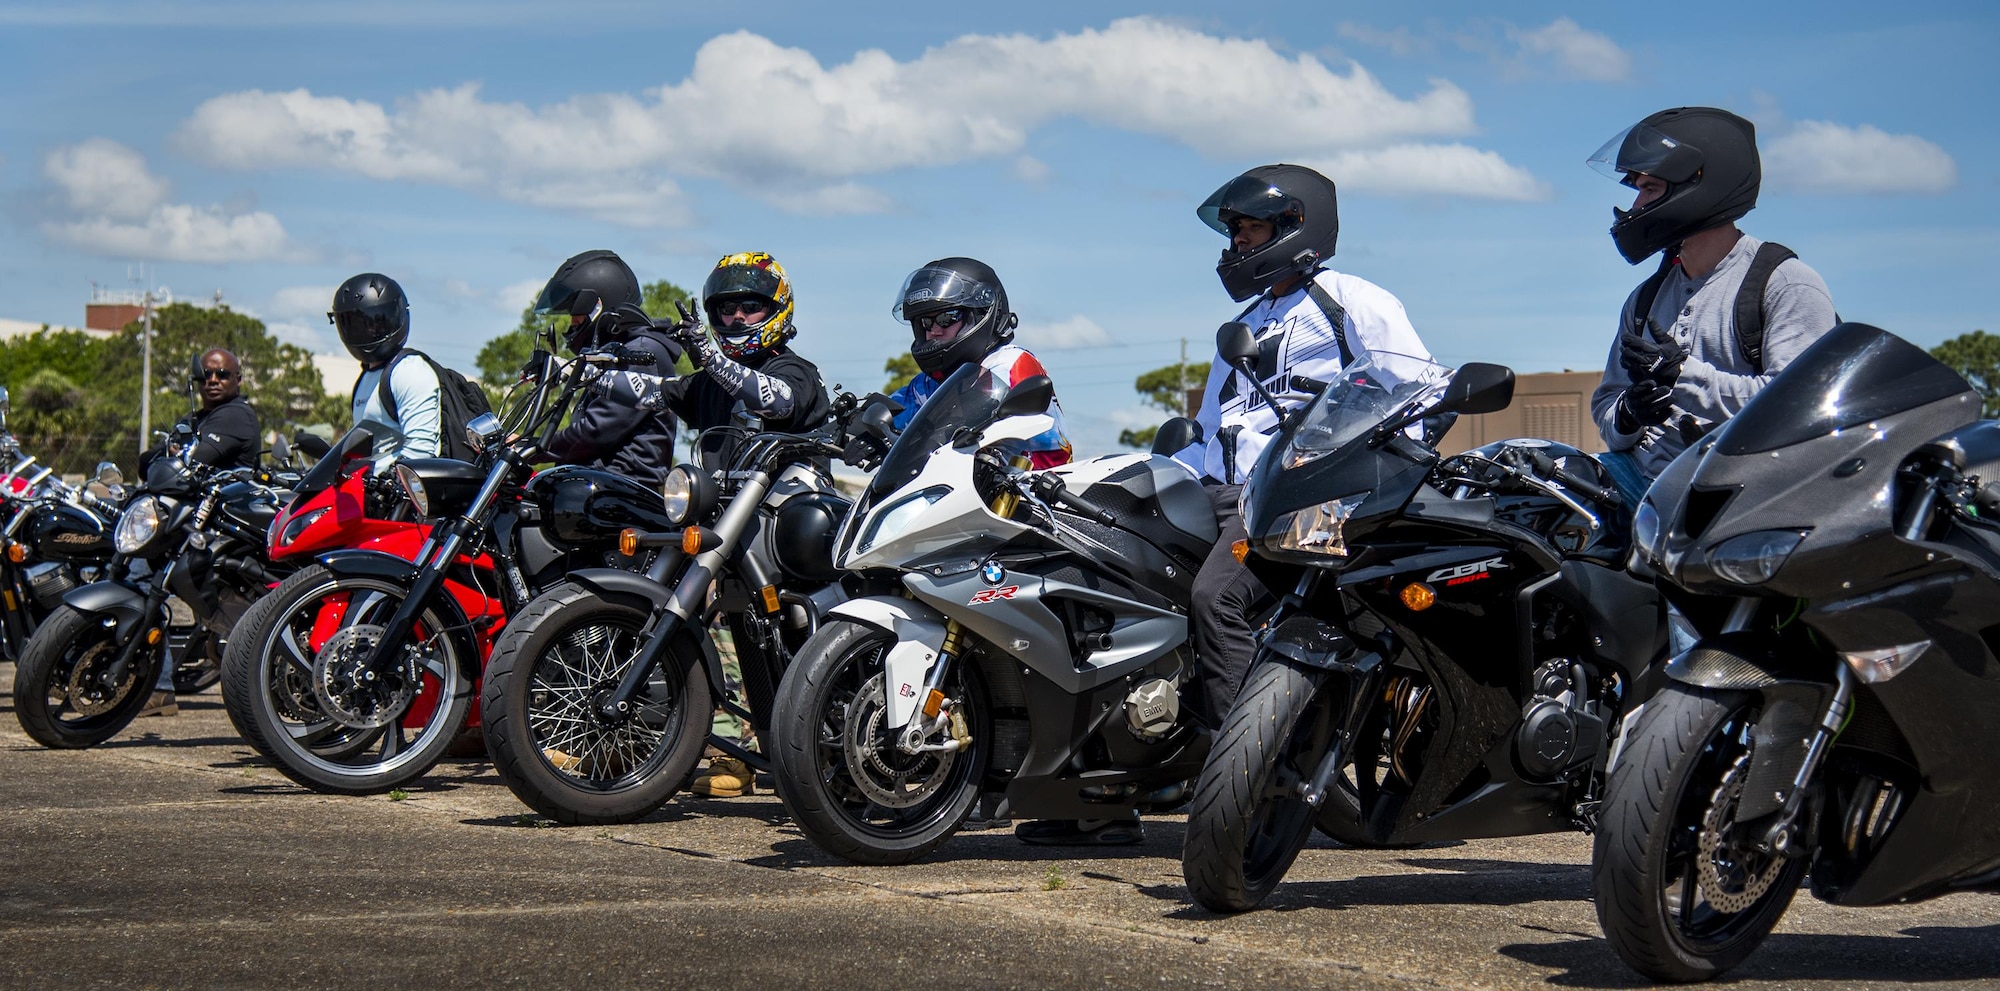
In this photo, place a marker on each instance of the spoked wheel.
(552, 670)
(297, 671)
(1682, 891)
(840, 769)
(1249, 819)
(65, 693)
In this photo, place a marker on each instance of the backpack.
(1749, 318)
(459, 401)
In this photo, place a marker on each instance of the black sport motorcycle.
(1456, 645)
(193, 535)
(1837, 547)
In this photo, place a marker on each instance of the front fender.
(616, 583)
(1308, 641)
(354, 563)
(1795, 690)
(123, 603)
(919, 632)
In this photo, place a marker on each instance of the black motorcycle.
(598, 698)
(1837, 547)
(1456, 641)
(56, 537)
(357, 674)
(192, 536)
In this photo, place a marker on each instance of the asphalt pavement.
(174, 857)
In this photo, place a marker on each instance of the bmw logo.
(993, 572)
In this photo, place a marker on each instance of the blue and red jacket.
(1012, 364)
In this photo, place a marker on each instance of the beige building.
(1550, 405)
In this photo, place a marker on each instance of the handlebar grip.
(1584, 487)
(1301, 383)
(1086, 507)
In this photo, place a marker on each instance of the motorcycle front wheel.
(1681, 890)
(64, 694)
(565, 652)
(294, 671)
(847, 784)
(1247, 822)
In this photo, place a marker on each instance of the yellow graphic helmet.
(750, 277)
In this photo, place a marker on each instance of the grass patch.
(1054, 880)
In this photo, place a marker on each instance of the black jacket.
(703, 403)
(636, 443)
(226, 436)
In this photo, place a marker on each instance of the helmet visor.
(741, 280)
(1646, 150)
(367, 324)
(1245, 196)
(939, 288)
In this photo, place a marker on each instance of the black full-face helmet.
(593, 285)
(1300, 205)
(961, 290)
(373, 317)
(1707, 158)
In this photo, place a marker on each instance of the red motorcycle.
(357, 673)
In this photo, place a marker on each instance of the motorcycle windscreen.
(358, 443)
(1851, 376)
(967, 398)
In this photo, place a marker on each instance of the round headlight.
(413, 486)
(678, 491)
(137, 525)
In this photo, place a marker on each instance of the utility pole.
(1180, 377)
(146, 372)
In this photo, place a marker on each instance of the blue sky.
(271, 150)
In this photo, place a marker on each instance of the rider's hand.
(1647, 359)
(1645, 404)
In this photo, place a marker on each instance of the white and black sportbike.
(1018, 633)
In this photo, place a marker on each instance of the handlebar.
(1050, 488)
(1547, 466)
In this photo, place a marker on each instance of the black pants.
(1226, 597)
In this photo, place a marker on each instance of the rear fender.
(643, 592)
(919, 632)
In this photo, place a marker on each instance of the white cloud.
(305, 304)
(520, 295)
(1028, 168)
(118, 207)
(1821, 157)
(1424, 169)
(1076, 332)
(777, 122)
(1577, 51)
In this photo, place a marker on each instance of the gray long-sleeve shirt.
(1716, 380)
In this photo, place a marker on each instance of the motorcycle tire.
(830, 699)
(47, 679)
(1240, 839)
(269, 675)
(1671, 786)
(559, 758)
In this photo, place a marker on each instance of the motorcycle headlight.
(1646, 530)
(482, 431)
(413, 486)
(298, 524)
(1752, 558)
(689, 493)
(137, 525)
(897, 517)
(1317, 529)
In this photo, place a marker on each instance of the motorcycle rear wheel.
(564, 651)
(828, 707)
(59, 695)
(1656, 889)
(269, 667)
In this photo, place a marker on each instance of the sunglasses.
(731, 307)
(211, 374)
(942, 318)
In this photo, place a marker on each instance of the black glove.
(1645, 404)
(535, 367)
(687, 330)
(1647, 359)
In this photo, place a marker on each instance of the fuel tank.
(590, 506)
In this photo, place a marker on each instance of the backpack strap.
(382, 390)
(1335, 315)
(1749, 319)
(1649, 290)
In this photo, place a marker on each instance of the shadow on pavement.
(1461, 882)
(1921, 954)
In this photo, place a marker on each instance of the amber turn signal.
(696, 539)
(17, 553)
(770, 598)
(153, 636)
(1239, 550)
(1419, 596)
(628, 541)
(933, 703)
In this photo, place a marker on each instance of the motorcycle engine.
(1559, 730)
(48, 582)
(1152, 708)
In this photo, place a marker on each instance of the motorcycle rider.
(1310, 321)
(957, 309)
(226, 435)
(601, 297)
(1696, 171)
(373, 317)
(746, 372)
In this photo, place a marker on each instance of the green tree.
(902, 368)
(1976, 356)
(1164, 389)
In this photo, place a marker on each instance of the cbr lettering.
(984, 596)
(1460, 574)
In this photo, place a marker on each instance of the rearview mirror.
(1235, 342)
(1028, 397)
(281, 452)
(1478, 387)
(107, 474)
(1176, 435)
(311, 444)
(877, 419)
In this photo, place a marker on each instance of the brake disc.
(1731, 876)
(354, 697)
(883, 772)
(83, 683)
